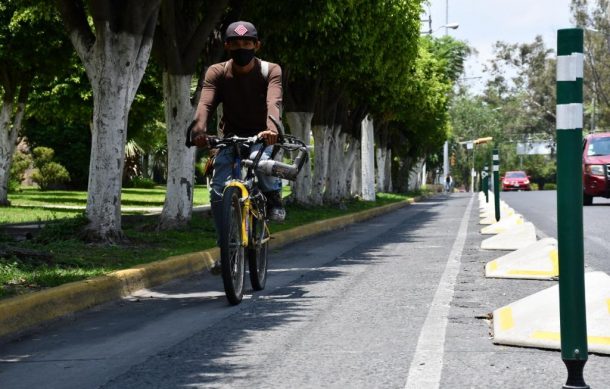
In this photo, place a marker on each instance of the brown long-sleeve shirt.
(247, 99)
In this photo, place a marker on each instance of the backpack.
(264, 69)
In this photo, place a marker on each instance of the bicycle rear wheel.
(257, 254)
(231, 246)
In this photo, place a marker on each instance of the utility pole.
(446, 145)
(446, 17)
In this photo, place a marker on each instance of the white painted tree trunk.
(10, 125)
(383, 156)
(368, 160)
(335, 166)
(115, 66)
(424, 175)
(178, 207)
(352, 151)
(300, 126)
(415, 175)
(341, 164)
(356, 184)
(380, 158)
(321, 136)
(388, 171)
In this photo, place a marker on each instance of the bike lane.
(342, 309)
(352, 322)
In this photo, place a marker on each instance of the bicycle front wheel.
(231, 246)
(257, 254)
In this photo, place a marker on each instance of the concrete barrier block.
(505, 224)
(537, 261)
(514, 239)
(534, 320)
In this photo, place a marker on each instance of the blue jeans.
(223, 171)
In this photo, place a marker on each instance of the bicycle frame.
(246, 218)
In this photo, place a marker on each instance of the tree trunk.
(300, 126)
(341, 164)
(178, 206)
(388, 171)
(10, 125)
(401, 184)
(349, 162)
(380, 158)
(368, 160)
(335, 165)
(356, 182)
(115, 68)
(383, 157)
(321, 136)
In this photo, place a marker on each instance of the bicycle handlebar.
(268, 167)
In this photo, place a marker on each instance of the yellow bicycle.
(244, 230)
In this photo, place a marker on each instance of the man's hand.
(269, 136)
(200, 139)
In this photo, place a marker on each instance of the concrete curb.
(21, 313)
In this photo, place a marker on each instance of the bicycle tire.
(232, 261)
(257, 254)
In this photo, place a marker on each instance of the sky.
(483, 22)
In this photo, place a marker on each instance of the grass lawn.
(66, 258)
(31, 205)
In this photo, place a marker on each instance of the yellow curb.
(20, 313)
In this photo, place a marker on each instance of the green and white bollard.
(574, 348)
(496, 171)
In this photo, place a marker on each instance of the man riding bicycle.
(250, 90)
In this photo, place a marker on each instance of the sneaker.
(277, 214)
(275, 207)
(216, 269)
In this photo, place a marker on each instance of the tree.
(114, 49)
(25, 27)
(530, 93)
(184, 27)
(594, 17)
(421, 125)
(336, 63)
(59, 116)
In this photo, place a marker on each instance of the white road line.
(427, 364)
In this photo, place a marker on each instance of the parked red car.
(596, 166)
(515, 180)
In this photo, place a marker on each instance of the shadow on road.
(219, 355)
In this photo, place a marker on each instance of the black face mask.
(242, 57)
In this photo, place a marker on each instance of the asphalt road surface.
(540, 207)
(399, 301)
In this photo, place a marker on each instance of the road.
(399, 301)
(540, 207)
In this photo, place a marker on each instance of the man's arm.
(207, 104)
(274, 95)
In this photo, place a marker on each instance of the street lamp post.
(447, 26)
(452, 26)
(446, 145)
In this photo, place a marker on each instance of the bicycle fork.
(246, 205)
